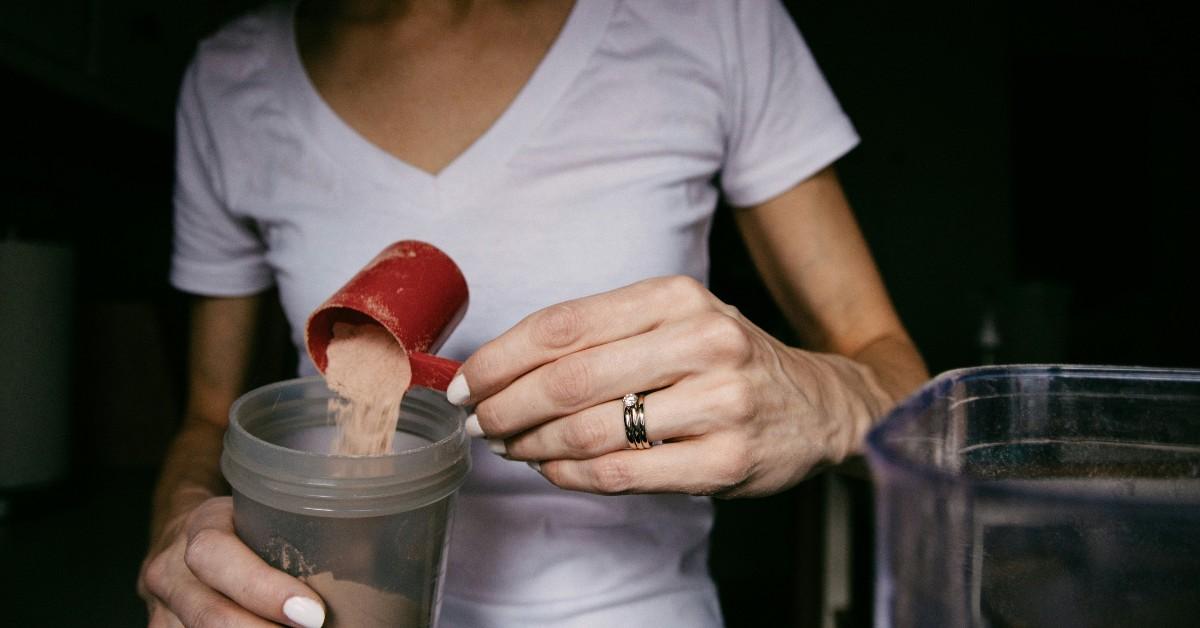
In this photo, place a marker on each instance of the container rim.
(263, 391)
(304, 481)
(881, 455)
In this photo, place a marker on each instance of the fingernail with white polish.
(304, 611)
(535, 465)
(497, 447)
(471, 425)
(458, 392)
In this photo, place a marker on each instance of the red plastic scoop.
(412, 289)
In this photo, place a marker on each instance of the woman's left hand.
(737, 411)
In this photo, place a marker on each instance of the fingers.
(160, 617)
(569, 384)
(702, 466)
(648, 361)
(177, 598)
(692, 407)
(219, 559)
(566, 328)
(197, 606)
(206, 578)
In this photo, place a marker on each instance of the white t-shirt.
(604, 171)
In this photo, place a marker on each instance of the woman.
(569, 156)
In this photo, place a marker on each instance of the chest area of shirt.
(425, 100)
(592, 122)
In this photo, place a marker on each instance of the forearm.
(191, 474)
(222, 331)
(813, 258)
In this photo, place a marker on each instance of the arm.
(789, 238)
(739, 412)
(218, 359)
(812, 256)
(197, 572)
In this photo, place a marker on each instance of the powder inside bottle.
(354, 605)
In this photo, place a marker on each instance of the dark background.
(1027, 163)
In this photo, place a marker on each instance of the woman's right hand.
(200, 574)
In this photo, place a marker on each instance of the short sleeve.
(784, 123)
(215, 253)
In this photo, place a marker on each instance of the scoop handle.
(432, 371)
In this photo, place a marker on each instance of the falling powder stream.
(369, 371)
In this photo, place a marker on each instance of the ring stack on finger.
(635, 421)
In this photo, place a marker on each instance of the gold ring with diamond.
(635, 420)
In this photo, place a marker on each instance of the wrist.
(847, 398)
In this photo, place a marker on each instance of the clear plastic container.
(368, 533)
(1040, 496)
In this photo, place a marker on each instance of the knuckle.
(549, 470)
(557, 326)
(490, 421)
(685, 290)
(584, 437)
(725, 337)
(734, 466)
(211, 616)
(611, 475)
(199, 545)
(483, 364)
(738, 400)
(568, 381)
(154, 576)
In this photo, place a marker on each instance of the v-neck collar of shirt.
(483, 159)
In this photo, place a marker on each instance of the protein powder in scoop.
(370, 372)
